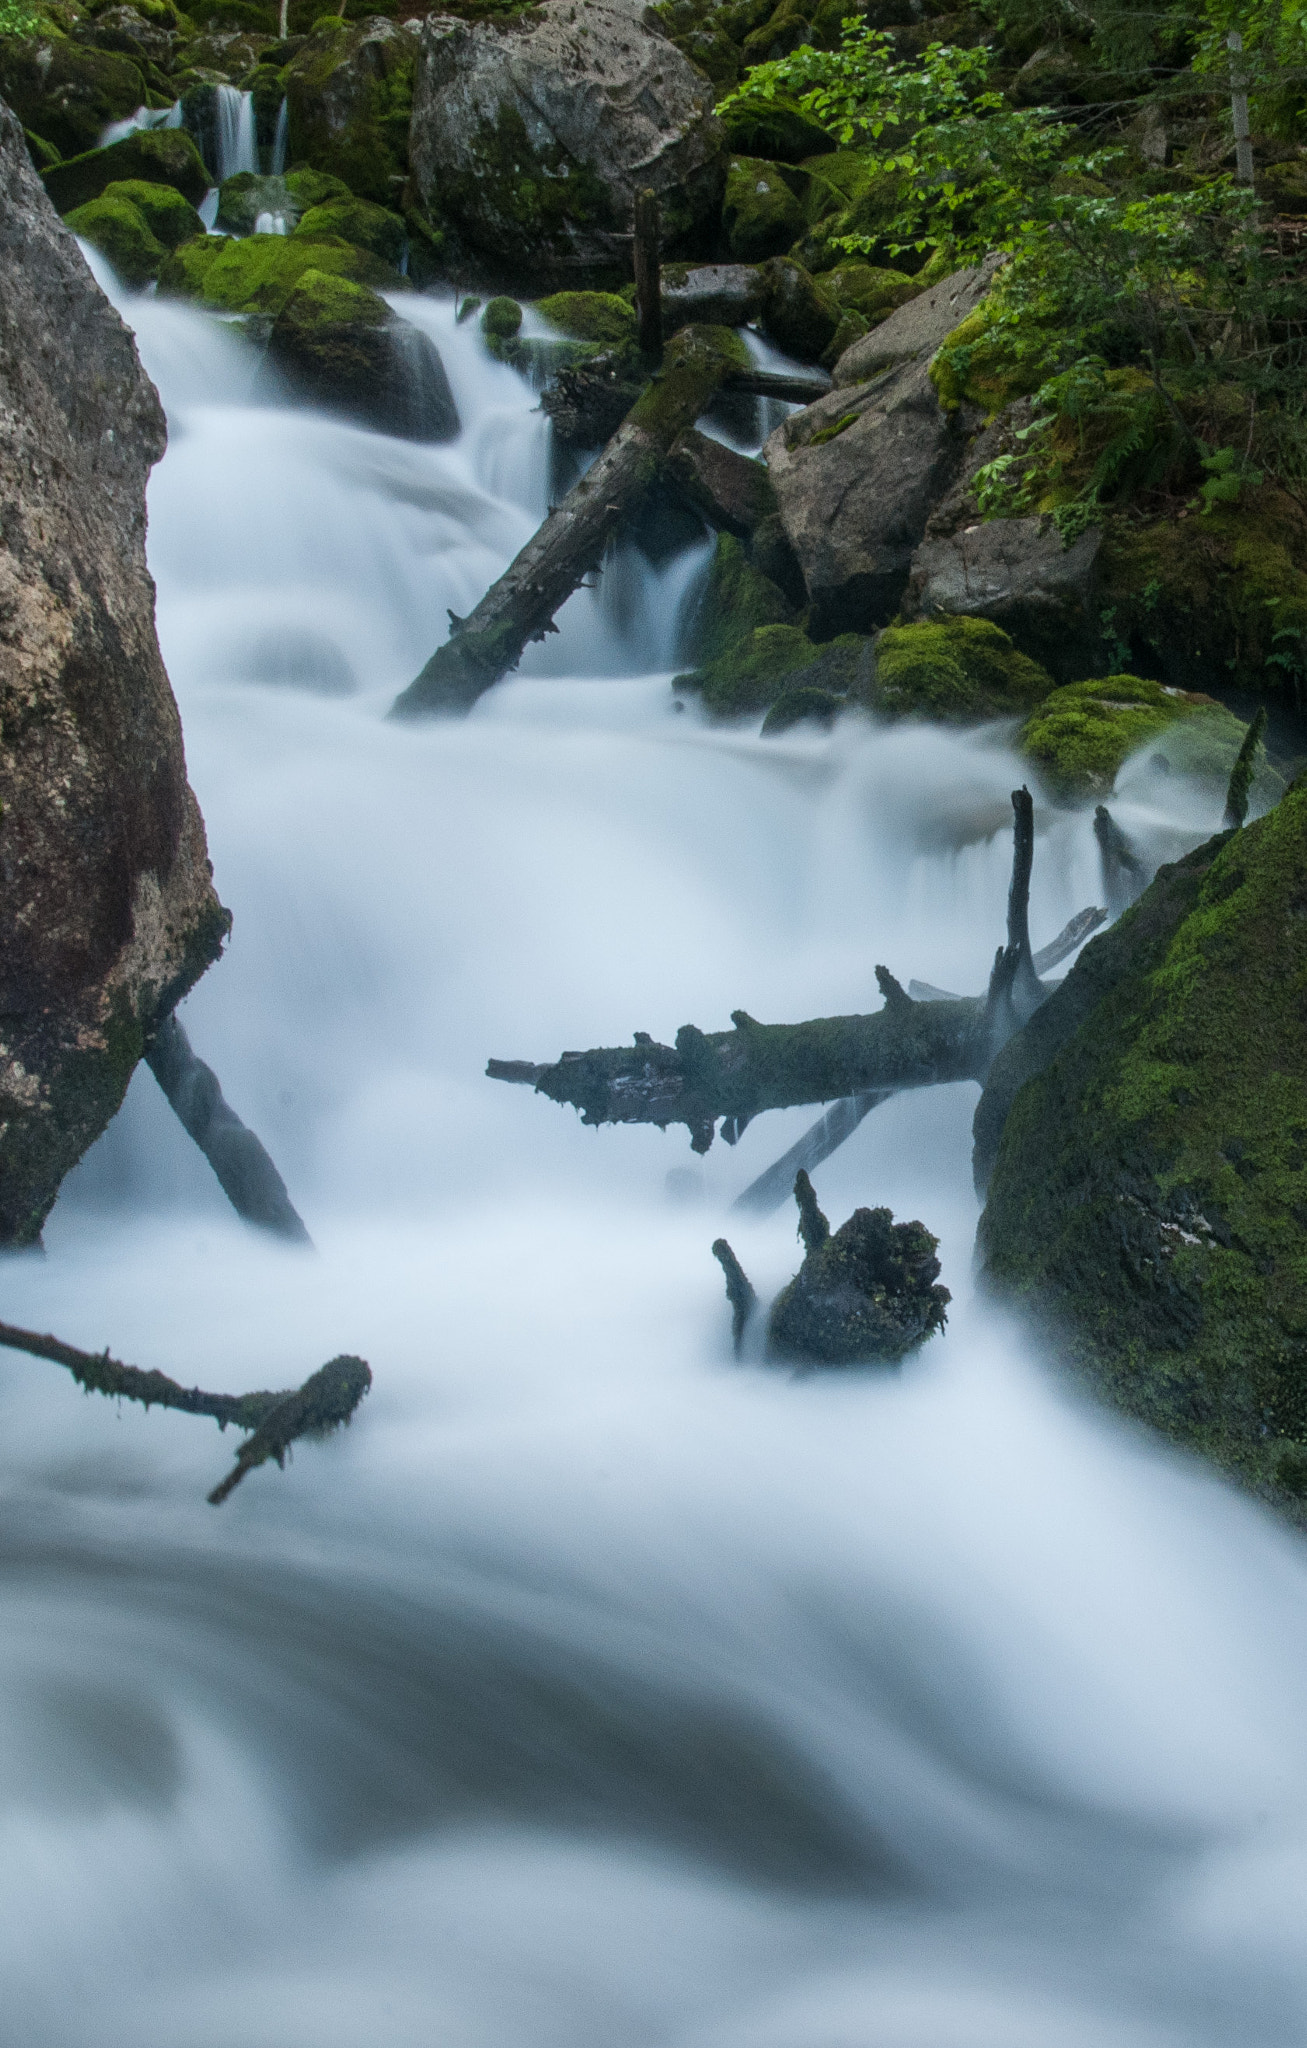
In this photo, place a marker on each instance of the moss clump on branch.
(1150, 1190)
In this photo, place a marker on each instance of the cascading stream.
(590, 1688)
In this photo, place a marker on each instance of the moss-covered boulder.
(776, 129)
(1149, 1193)
(868, 289)
(349, 100)
(501, 320)
(751, 651)
(1080, 736)
(248, 195)
(66, 94)
(122, 235)
(958, 671)
(258, 274)
(339, 345)
(845, 195)
(531, 144)
(171, 219)
(152, 156)
(804, 705)
(1215, 600)
(760, 214)
(797, 314)
(600, 317)
(359, 221)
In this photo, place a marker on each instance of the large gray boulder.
(1017, 573)
(532, 134)
(855, 477)
(107, 908)
(915, 331)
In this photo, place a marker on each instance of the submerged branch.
(247, 1175)
(328, 1397)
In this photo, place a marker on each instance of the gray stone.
(532, 134)
(107, 908)
(1017, 573)
(855, 477)
(723, 294)
(917, 329)
(732, 491)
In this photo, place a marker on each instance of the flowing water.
(590, 1689)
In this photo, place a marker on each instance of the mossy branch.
(327, 1398)
(1241, 775)
(521, 605)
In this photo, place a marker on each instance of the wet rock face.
(1145, 1139)
(532, 135)
(1016, 573)
(107, 907)
(865, 1293)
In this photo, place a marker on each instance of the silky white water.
(590, 1689)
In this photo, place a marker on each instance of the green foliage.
(18, 19)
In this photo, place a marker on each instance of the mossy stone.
(978, 365)
(776, 129)
(865, 1295)
(171, 219)
(308, 187)
(958, 670)
(258, 274)
(804, 706)
(349, 100)
(1080, 735)
(735, 600)
(122, 235)
(600, 317)
(68, 94)
(501, 320)
(361, 222)
(341, 346)
(760, 214)
(155, 156)
(246, 195)
(797, 314)
(867, 289)
(1149, 1192)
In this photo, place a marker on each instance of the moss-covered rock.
(258, 274)
(171, 219)
(1149, 1194)
(360, 222)
(122, 235)
(958, 670)
(501, 320)
(246, 196)
(760, 214)
(751, 653)
(66, 94)
(867, 289)
(797, 314)
(845, 195)
(735, 600)
(1219, 599)
(805, 705)
(777, 130)
(349, 100)
(154, 156)
(600, 317)
(339, 344)
(1079, 736)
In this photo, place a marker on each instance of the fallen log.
(246, 1174)
(521, 605)
(737, 1074)
(276, 1420)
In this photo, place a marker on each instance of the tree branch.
(328, 1397)
(247, 1175)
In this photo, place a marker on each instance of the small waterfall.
(144, 117)
(236, 148)
(279, 141)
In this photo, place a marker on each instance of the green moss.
(156, 156)
(960, 671)
(775, 129)
(600, 317)
(121, 234)
(501, 320)
(313, 188)
(864, 288)
(257, 275)
(171, 219)
(1080, 736)
(805, 705)
(693, 364)
(833, 432)
(247, 194)
(67, 94)
(360, 222)
(980, 365)
(760, 214)
(1150, 1191)
(797, 314)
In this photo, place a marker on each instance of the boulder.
(1079, 738)
(122, 235)
(68, 95)
(718, 294)
(340, 346)
(361, 223)
(797, 314)
(958, 672)
(760, 214)
(171, 219)
(107, 908)
(776, 129)
(751, 653)
(247, 194)
(732, 491)
(349, 99)
(1148, 1192)
(600, 317)
(259, 273)
(917, 329)
(150, 39)
(155, 156)
(533, 133)
(1018, 573)
(855, 477)
(866, 1294)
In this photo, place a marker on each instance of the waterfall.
(235, 144)
(279, 141)
(144, 117)
(591, 1688)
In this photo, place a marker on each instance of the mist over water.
(590, 1689)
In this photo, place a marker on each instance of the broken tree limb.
(739, 1291)
(799, 387)
(1241, 775)
(247, 1175)
(521, 605)
(1124, 877)
(327, 1398)
(738, 1074)
(765, 1195)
